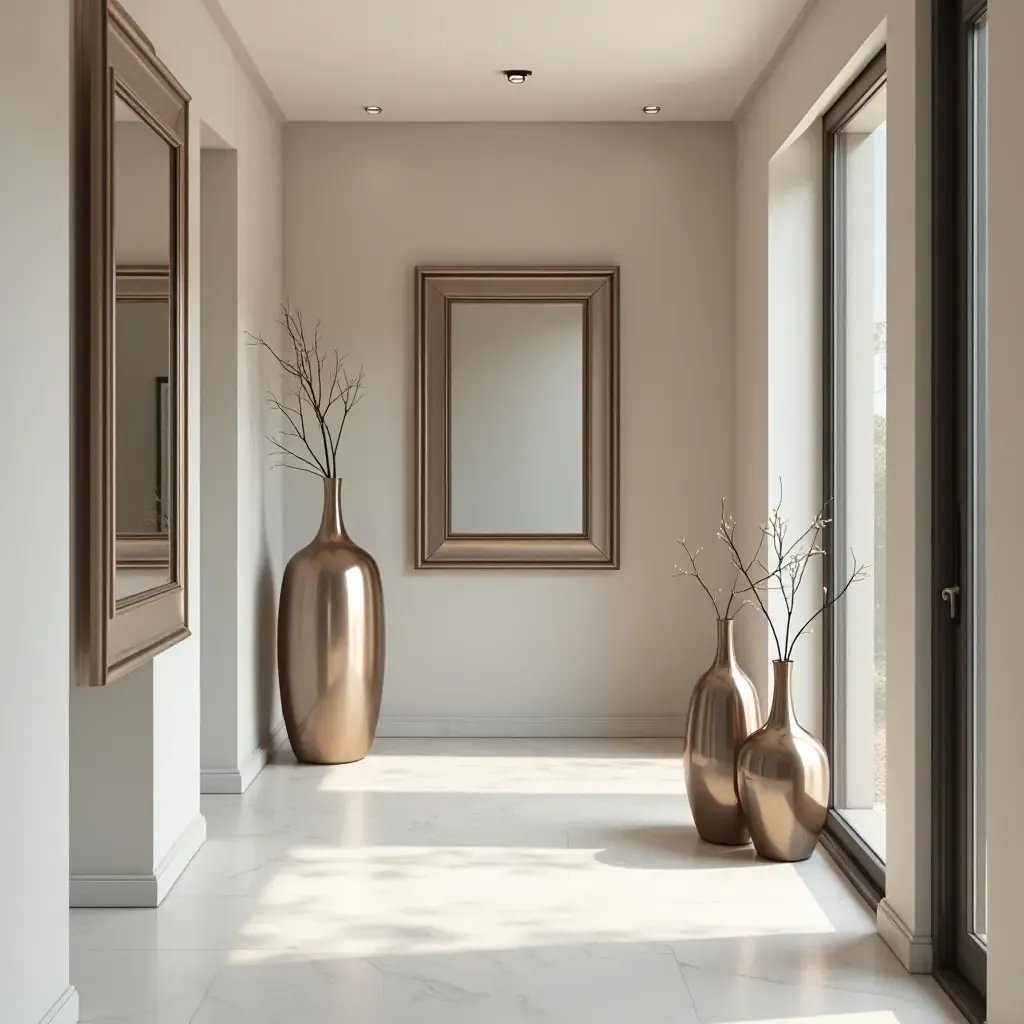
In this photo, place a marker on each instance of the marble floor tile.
(560, 986)
(489, 882)
(723, 997)
(142, 986)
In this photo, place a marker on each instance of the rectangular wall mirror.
(517, 424)
(143, 427)
(131, 382)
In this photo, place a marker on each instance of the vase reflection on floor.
(782, 778)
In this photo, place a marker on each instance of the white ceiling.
(440, 60)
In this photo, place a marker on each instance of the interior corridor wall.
(514, 652)
(188, 39)
(34, 510)
(834, 41)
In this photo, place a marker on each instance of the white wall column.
(35, 214)
(148, 725)
(133, 827)
(135, 820)
(904, 916)
(222, 771)
(1004, 501)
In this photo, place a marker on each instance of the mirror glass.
(516, 394)
(143, 365)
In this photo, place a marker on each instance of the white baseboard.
(140, 890)
(913, 951)
(65, 1010)
(233, 780)
(238, 780)
(394, 726)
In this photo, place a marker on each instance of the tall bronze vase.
(724, 710)
(782, 777)
(330, 643)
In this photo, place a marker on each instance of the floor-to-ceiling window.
(959, 412)
(854, 674)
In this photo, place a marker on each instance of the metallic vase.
(724, 710)
(782, 777)
(330, 643)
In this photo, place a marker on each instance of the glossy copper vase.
(724, 711)
(330, 643)
(782, 777)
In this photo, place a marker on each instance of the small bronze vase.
(724, 710)
(330, 643)
(782, 777)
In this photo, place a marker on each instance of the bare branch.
(298, 429)
(695, 573)
(315, 386)
(784, 569)
(727, 535)
(284, 450)
(859, 573)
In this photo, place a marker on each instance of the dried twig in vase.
(784, 570)
(694, 573)
(316, 382)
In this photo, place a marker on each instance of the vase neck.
(332, 525)
(782, 693)
(725, 655)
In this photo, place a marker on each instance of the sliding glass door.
(855, 338)
(959, 527)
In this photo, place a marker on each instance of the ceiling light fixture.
(517, 77)
(652, 110)
(372, 110)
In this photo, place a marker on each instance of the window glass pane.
(860, 514)
(978, 308)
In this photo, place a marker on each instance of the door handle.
(950, 594)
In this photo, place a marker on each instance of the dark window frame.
(855, 857)
(959, 960)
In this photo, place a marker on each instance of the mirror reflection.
(517, 432)
(143, 375)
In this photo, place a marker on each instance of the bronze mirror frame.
(114, 59)
(597, 545)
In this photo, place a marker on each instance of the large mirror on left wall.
(131, 381)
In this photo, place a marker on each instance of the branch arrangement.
(777, 564)
(784, 569)
(694, 573)
(319, 394)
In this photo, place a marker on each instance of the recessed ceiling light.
(372, 110)
(652, 110)
(517, 77)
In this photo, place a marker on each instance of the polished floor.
(489, 882)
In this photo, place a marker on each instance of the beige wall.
(522, 652)
(35, 190)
